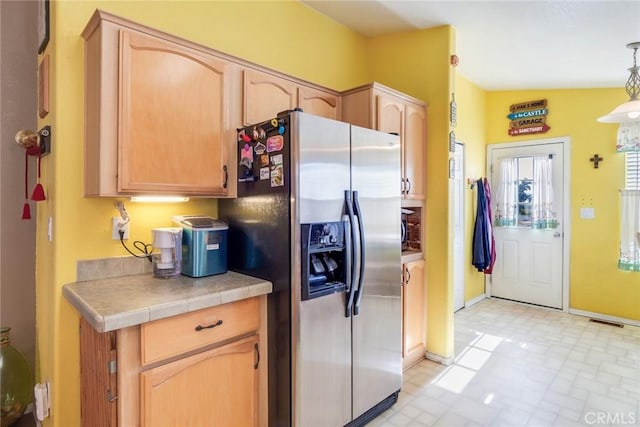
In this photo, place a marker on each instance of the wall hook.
(36, 143)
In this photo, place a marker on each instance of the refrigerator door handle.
(361, 254)
(350, 254)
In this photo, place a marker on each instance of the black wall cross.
(596, 160)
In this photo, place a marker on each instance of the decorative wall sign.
(531, 121)
(528, 130)
(453, 111)
(528, 117)
(530, 105)
(525, 114)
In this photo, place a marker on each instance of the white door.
(458, 228)
(529, 261)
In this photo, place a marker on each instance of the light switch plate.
(587, 213)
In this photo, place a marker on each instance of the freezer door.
(320, 160)
(321, 334)
(377, 339)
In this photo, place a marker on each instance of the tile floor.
(520, 365)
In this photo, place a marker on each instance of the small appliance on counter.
(204, 245)
(167, 263)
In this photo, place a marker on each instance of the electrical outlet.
(118, 224)
(42, 397)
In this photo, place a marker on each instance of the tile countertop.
(120, 302)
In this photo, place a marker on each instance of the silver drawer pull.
(200, 327)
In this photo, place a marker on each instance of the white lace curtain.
(506, 196)
(542, 213)
(630, 231)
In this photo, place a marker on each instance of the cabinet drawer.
(176, 335)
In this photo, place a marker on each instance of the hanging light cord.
(633, 84)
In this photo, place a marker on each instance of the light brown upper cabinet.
(319, 102)
(265, 95)
(378, 107)
(155, 113)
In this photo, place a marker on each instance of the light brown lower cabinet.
(413, 313)
(218, 387)
(214, 373)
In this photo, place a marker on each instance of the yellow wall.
(417, 63)
(272, 34)
(596, 285)
(471, 130)
(277, 34)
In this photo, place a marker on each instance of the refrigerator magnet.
(247, 153)
(275, 143)
(277, 176)
(264, 173)
(260, 148)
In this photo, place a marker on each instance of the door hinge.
(113, 366)
(110, 397)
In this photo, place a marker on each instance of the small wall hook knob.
(27, 138)
(36, 143)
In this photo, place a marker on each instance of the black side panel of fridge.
(259, 246)
(259, 243)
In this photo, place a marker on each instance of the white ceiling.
(514, 44)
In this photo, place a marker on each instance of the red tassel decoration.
(38, 190)
(26, 211)
(38, 193)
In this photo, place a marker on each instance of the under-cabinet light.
(159, 199)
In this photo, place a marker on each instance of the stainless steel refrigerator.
(318, 214)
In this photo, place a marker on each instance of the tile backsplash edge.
(106, 268)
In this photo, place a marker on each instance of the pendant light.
(628, 114)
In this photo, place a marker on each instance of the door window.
(630, 215)
(525, 193)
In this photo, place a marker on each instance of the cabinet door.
(314, 101)
(413, 147)
(413, 313)
(390, 118)
(171, 118)
(265, 96)
(218, 387)
(390, 115)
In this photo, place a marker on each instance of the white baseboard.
(604, 317)
(440, 359)
(475, 300)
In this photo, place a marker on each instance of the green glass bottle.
(16, 390)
